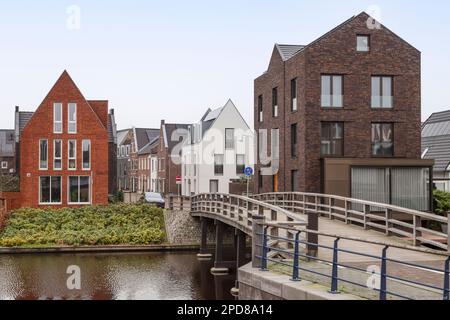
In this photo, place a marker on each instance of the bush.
(118, 224)
(441, 202)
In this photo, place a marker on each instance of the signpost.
(248, 173)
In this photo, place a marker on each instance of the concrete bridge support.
(220, 265)
(204, 254)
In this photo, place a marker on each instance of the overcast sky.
(172, 59)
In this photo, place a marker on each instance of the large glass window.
(404, 187)
(43, 154)
(49, 190)
(86, 154)
(332, 141)
(229, 138)
(382, 89)
(57, 118)
(72, 117)
(72, 156)
(294, 94)
(79, 190)
(218, 164)
(382, 139)
(332, 91)
(275, 102)
(240, 164)
(57, 154)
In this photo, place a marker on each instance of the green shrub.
(117, 224)
(441, 202)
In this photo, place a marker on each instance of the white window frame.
(4, 164)
(68, 191)
(42, 168)
(69, 122)
(69, 158)
(55, 105)
(40, 191)
(90, 155)
(57, 158)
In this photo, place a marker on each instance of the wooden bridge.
(330, 237)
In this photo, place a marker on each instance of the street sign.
(178, 178)
(248, 171)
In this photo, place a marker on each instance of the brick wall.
(336, 53)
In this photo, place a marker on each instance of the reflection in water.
(143, 276)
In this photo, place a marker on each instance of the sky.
(173, 60)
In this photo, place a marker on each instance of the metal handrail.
(326, 205)
(334, 277)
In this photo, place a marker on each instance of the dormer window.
(363, 43)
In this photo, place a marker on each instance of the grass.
(118, 224)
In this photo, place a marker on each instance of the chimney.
(163, 122)
(17, 108)
(111, 111)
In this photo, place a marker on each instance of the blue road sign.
(248, 171)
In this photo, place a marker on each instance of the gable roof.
(168, 129)
(436, 140)
(142, 136)
(288, 51)
(121, 135)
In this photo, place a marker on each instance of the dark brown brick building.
(348, 111)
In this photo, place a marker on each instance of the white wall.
(202, 154)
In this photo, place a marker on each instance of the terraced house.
(347, 111)
(66, 149)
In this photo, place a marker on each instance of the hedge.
(118, 224)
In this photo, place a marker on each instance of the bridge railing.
(389, 219)
(390, 285)
(241, 211)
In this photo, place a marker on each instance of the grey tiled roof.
(170, 128)
(7, 143)
(112, 130)
(287, 51)
(24, 118)
(436, 140)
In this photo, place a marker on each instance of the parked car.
(155, 198)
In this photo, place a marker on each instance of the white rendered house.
(217, 150)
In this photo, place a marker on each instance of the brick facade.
(91, 124)
(335, 53)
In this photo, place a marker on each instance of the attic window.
(363, 43)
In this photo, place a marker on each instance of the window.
(72, 154)
(240, 164)
(332, 140)
(79, 190)
(213, 186)
(72, 118)
(86, 154)
(294, 180)
(260, 108)
(218, 164)
(275, 102)
(293, 140)
(50, 190)
(332, 91)
(294, 94)
(4, 165)
(229, 138)
(43, 154)
(57, 118)
(363, 43)
(382, 88)
(382, 139)
(57, 154)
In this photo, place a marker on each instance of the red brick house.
(65, 149)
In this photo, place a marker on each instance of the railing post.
(383, 274)
(417, 233)
(334, 274)
(257, 239)
(366, 218)
(388, 223)
(312, 238)
(446, 280)
(265, 249)
(295, 270)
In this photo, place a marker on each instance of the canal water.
(143, 276)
